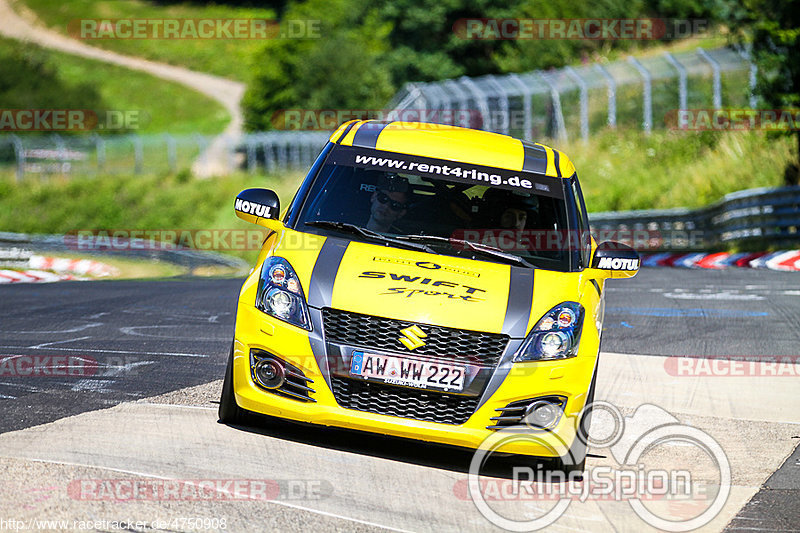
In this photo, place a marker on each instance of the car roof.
(454, 143)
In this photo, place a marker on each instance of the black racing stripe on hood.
(320, 290)
(367, 135)
(515, 324)
(320, 294)
(518, 308)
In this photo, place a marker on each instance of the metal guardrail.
(185, 257)
(762, 215)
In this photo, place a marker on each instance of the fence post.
(561, 128)
(480, 99)
(61, 147)
(172, 156)
(526, 105)
(648, 94)
(462, 102)
(251, 154)
(682, 77)
(445, 103)
(745, 53)
(138, 154)
(269, 160)
(19, 153)
(572, 73)
(717, 97)
(503, 97)
(612, 94)
(99, 151)
(202, 143)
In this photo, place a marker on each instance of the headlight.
(555, 336)
(280, 295)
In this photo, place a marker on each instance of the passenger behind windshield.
(388, 204)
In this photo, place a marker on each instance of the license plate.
(408, 372)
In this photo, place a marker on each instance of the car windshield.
(455, 210)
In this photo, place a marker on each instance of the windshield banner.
(443, 169)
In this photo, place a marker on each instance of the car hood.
(426, 288)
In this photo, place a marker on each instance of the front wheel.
(229, 411)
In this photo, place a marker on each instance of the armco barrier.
(786, 260)
(768, 217)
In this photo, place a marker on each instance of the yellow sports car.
(429, 282)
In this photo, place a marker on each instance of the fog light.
(269, 373)
(542, 415)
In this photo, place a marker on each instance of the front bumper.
(569, 378)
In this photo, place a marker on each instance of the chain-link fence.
(31, 156)
(561, 104)
(573, 102)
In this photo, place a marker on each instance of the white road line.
(57, 342)
(73, 330)
(175, 405)
(131, 330)
(175, 354)
(154, 476)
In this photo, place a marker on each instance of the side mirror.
(259, 206)
(619, 259)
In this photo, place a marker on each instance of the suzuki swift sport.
(428, 282)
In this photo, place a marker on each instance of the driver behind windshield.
(388, 204)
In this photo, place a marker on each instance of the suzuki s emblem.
(411, 337)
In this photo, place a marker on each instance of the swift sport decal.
(408, 292)
(419, 279)
(426, 167)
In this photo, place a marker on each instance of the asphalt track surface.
(142, 339)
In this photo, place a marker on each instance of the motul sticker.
(617, 263)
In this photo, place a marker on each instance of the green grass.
(628, 170)
(150, 202)
(618, 170)
(166, 106)
(224, 57)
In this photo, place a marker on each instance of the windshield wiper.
(364, 232)
(474, 246)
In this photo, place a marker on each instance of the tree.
(772, 29)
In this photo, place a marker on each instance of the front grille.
(472, 347)
(404, 403)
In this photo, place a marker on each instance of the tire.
(229, 411)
